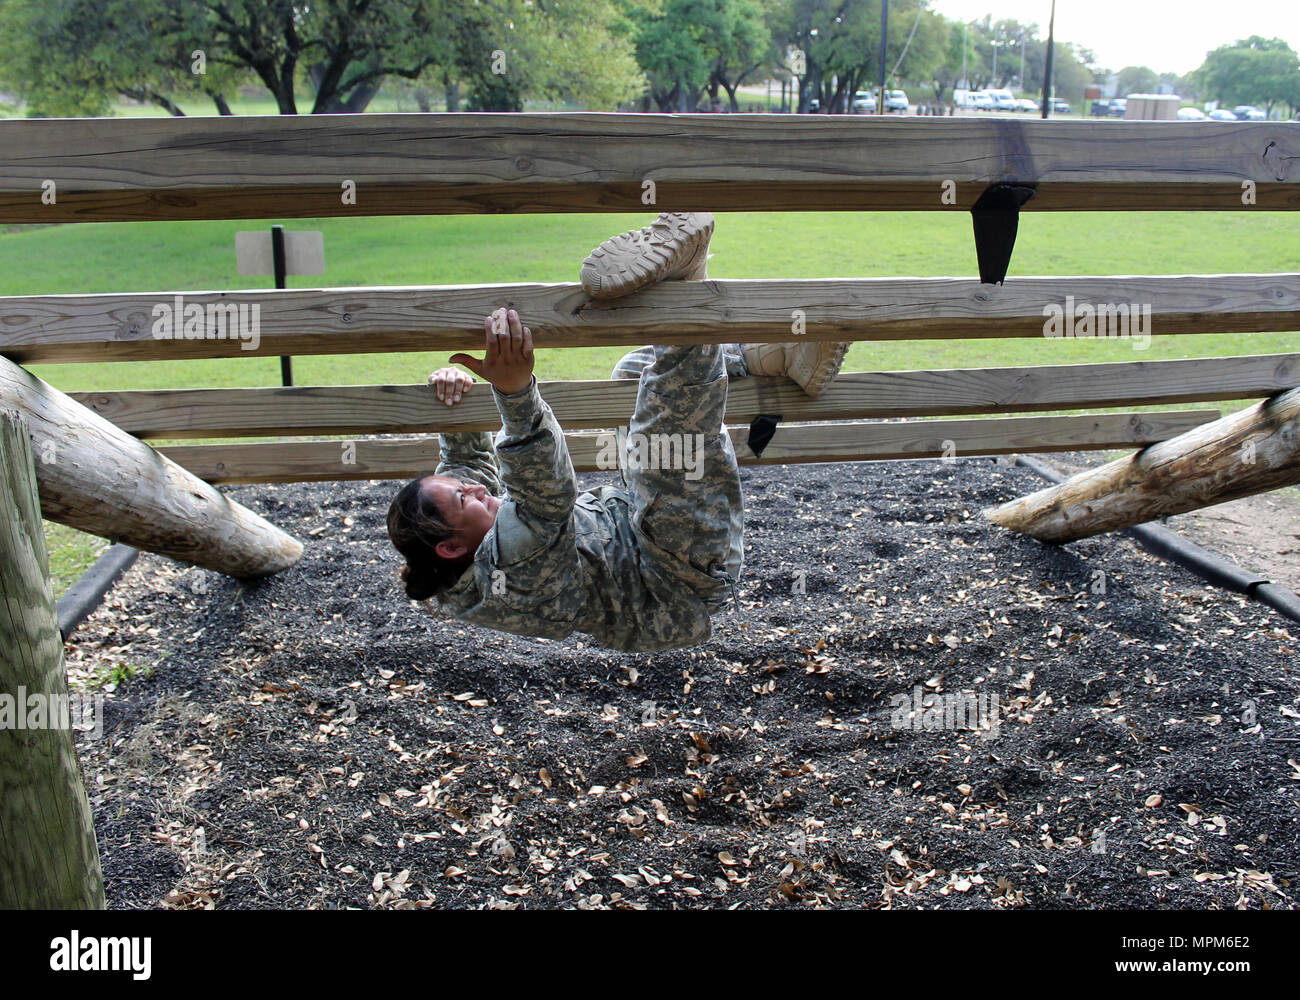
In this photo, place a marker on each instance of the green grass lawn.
(167, 256)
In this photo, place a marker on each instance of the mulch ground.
(316, 740)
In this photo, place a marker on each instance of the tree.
(671, 50)
(1259, 71)
(93, 52)
(576, 50)
(840, 42)
(74, 59)
(738, 43)
(347, 47)
(1137, 80)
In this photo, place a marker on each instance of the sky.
(1166, 35)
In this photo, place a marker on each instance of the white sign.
(304, 253)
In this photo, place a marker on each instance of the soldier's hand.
(451, 384)
(508, 363)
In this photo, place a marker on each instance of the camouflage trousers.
(688, 514)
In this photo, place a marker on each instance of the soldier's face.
(466, 506)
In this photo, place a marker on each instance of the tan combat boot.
(813, 364)
(674, 247)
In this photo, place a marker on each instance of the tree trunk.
(1255, 450)
(222, 107)
(95, 477)
(361, 96)
(162, 100)
(48, 855)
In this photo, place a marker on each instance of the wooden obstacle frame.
(103, 477)
(84, 460)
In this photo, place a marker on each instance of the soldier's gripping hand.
(451, 383)
(508, 363)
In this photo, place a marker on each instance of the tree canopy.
(80, 57)
(1261, 71)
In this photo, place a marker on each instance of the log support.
(48, 854)
(1252, 451)
(95, 477)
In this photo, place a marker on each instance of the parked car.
(1099, 109)
(1190, 114)
(864, 102)
(1222, 115)
(984, 103)
(1003, 100)
(1060, 107)
(1117, 108)
(895, 100)
(1026, 104)
(1248, 113)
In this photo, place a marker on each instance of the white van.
(1003, 100)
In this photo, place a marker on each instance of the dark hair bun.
(420, 585)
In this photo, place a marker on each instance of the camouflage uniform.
(637, 568)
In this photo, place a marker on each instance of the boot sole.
(620, 266)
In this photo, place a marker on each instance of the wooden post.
(1252, 451)
(95, 477)
(48, 855)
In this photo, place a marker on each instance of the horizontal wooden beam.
(399, 458)
(136, 169)
(410, 409)
(132, 326)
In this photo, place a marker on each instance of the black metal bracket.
(761, 430)
(280, 268)
(996, 217)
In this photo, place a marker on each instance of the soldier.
(499, 534)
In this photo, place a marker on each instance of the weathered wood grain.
(306, 461)
(410, 409)
(95, 477)
(121, 327)
(1252, 451)
(134, 169)
(49, 858)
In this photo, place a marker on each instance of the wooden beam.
(411, 409)
(400, 458)
(95, 477)
(1252, 451)
(49, 858)
(257, 167)
(121, 327)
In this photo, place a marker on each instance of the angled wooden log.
(49, 858)
(1252, 451)
(95, 477)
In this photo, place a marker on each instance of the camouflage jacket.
(556, 561)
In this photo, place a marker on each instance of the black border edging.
(84, 596)
(1162, 542)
